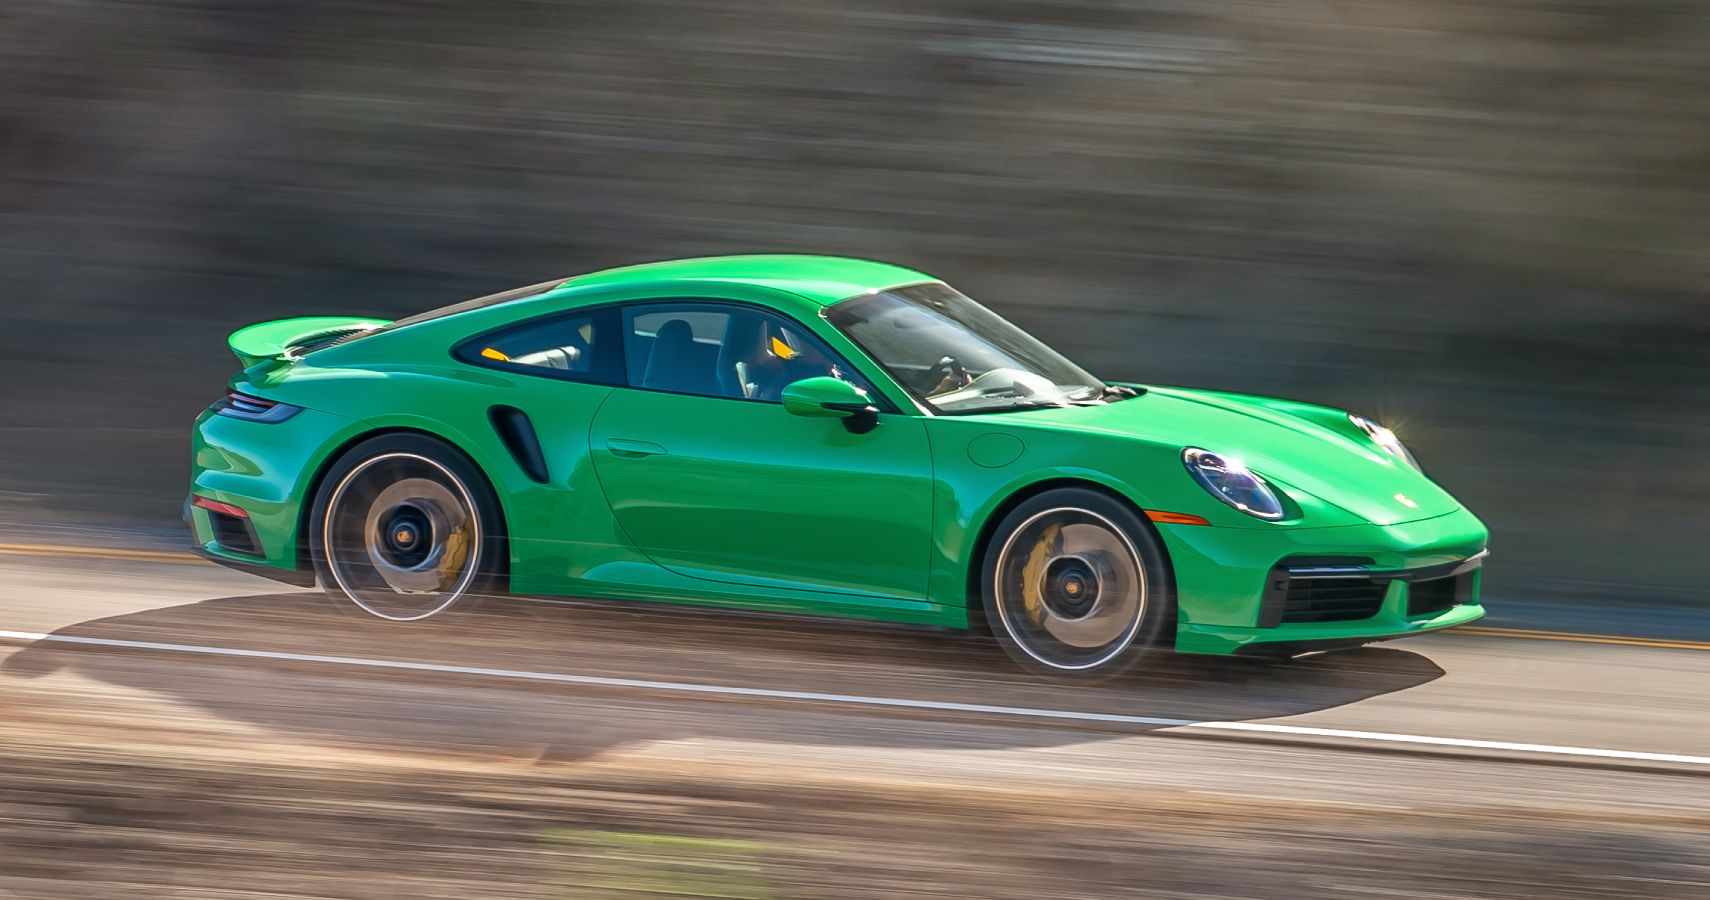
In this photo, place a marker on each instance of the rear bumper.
(264, 469)
(208, 547)
(1293, 590)
(294, 577)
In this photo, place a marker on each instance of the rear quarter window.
(583, 345)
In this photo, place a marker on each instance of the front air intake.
(1427, 598)
(1332, 599)
(1303, 589)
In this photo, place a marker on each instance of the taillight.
(239, 405)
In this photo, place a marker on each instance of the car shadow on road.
(439, 712)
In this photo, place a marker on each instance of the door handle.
(629, 449)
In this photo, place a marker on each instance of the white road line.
(1025, 712)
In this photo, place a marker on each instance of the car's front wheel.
(404, 527)
(1075, 583)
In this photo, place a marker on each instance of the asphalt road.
(173, 729)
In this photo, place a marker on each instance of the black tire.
(404, 527)
(1074, 584)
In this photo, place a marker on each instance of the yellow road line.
(1530, 635)
(174, 556)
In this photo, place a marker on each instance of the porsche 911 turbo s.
(814, 435)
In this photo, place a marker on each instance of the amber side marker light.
(224, 509)
(1170, 518)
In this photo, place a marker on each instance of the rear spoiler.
(278, 339)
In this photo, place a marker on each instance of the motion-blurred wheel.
(1074, 584)
(404, 528)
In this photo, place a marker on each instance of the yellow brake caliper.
(1033, 575)
(456, 552)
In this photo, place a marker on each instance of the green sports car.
(814, 435)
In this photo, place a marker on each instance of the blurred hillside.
(1485, 222)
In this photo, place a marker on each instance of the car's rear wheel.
(404, 527)
(1074, 583)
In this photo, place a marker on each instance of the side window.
(717, 350)
(577, 346)
(677, 348)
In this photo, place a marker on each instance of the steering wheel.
(938, 378)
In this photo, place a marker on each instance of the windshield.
(956, 356)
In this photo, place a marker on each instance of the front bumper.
(1292, 590)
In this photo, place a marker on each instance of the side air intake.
(516, 431)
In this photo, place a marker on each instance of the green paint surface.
(752, 507)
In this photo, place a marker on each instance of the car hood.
(1299, 446)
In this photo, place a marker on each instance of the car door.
(708, 475)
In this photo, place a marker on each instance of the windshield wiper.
(1007, 407)
(1104, 393)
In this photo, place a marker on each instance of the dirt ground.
(130, 772)
(80, 822)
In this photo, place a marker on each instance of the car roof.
(823, 280)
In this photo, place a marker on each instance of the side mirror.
(828, 397)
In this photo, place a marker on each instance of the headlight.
(1384, 438)
(1229, 481)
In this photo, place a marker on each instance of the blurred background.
(1486, 223)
